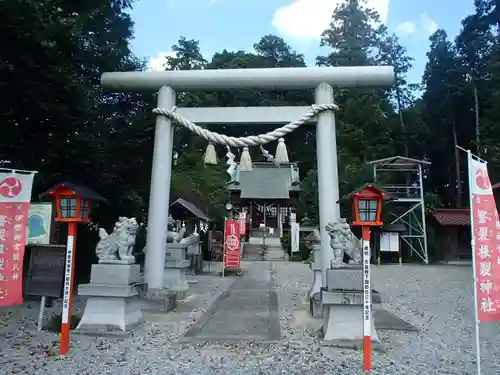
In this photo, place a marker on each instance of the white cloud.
(428, 24)
(424, 25)
(407, 27)
(157, 63)
(307, 19)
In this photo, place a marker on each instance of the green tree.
(356, 37)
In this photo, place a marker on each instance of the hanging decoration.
(281, 152)
(245, 160)
(230, 161)
(203, 226)
(210, 157)
(269, 157)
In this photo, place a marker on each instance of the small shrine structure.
(268, 193)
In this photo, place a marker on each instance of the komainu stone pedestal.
(157, 300)
(176, 265)
(315, 308)
(111, 306)
(342, 303)
(195, 256)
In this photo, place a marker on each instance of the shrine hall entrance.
(268, 194)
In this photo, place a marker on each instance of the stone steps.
(252, 252)
(255, 252)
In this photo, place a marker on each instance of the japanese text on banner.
(232, 244)
(366, 282)
(486, 243)
(242, 223)
(15, 193)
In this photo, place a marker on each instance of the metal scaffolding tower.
(403, 178)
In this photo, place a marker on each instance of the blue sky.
(238, 24)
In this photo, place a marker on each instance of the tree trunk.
(457, 165)
(476, 113)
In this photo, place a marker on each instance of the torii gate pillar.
(320, 78)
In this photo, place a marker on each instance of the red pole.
(367, 301)
(68, 289)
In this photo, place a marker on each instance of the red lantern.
(70, 206)
(73, 203)
(367, 206)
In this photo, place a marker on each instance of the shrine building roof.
(267, 181)
(451, 217)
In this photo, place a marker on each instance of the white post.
(41, 313)
(474, 272)
(160, 193)
(422, 212)
(328, 189)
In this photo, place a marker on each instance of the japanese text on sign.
(486, 240)
(68, 275)
(366, 282)
(13, 221)
(242, 223)
(232, 244)
(15, 195)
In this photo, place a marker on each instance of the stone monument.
(342, 298)
(176, 263)
(110, 307)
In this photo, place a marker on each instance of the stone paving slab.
(247, 311)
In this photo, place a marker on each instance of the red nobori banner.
(232, 244)
(242, 223)
(486, 234)
(15, 196)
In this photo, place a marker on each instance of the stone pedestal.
(314, 293)
(112, 306)
(175, 269)
(162, 300)
(342, 302)
(194, 253)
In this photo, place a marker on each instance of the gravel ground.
(436, 299)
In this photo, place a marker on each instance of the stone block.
(181, 264)
(345, 297)
(342, 298)
(174, 279)
(158, 299)
(175, 252)
(343, 327)
(315, 266)
(194, 249)
(345, 278)
(105, 290)
(109, 316)
(115, 274)
(117, 261)
(343, 320)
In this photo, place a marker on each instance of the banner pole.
(68, 290)
(224, 248)
(474, 273)
(367, 300)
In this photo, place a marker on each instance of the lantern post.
(367, 210)
(73, 206)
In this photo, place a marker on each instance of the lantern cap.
(79, 190)
(369, 188)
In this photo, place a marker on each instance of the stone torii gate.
(321, 79)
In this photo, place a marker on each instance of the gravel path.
(436, 299)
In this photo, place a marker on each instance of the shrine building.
(268, 193)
